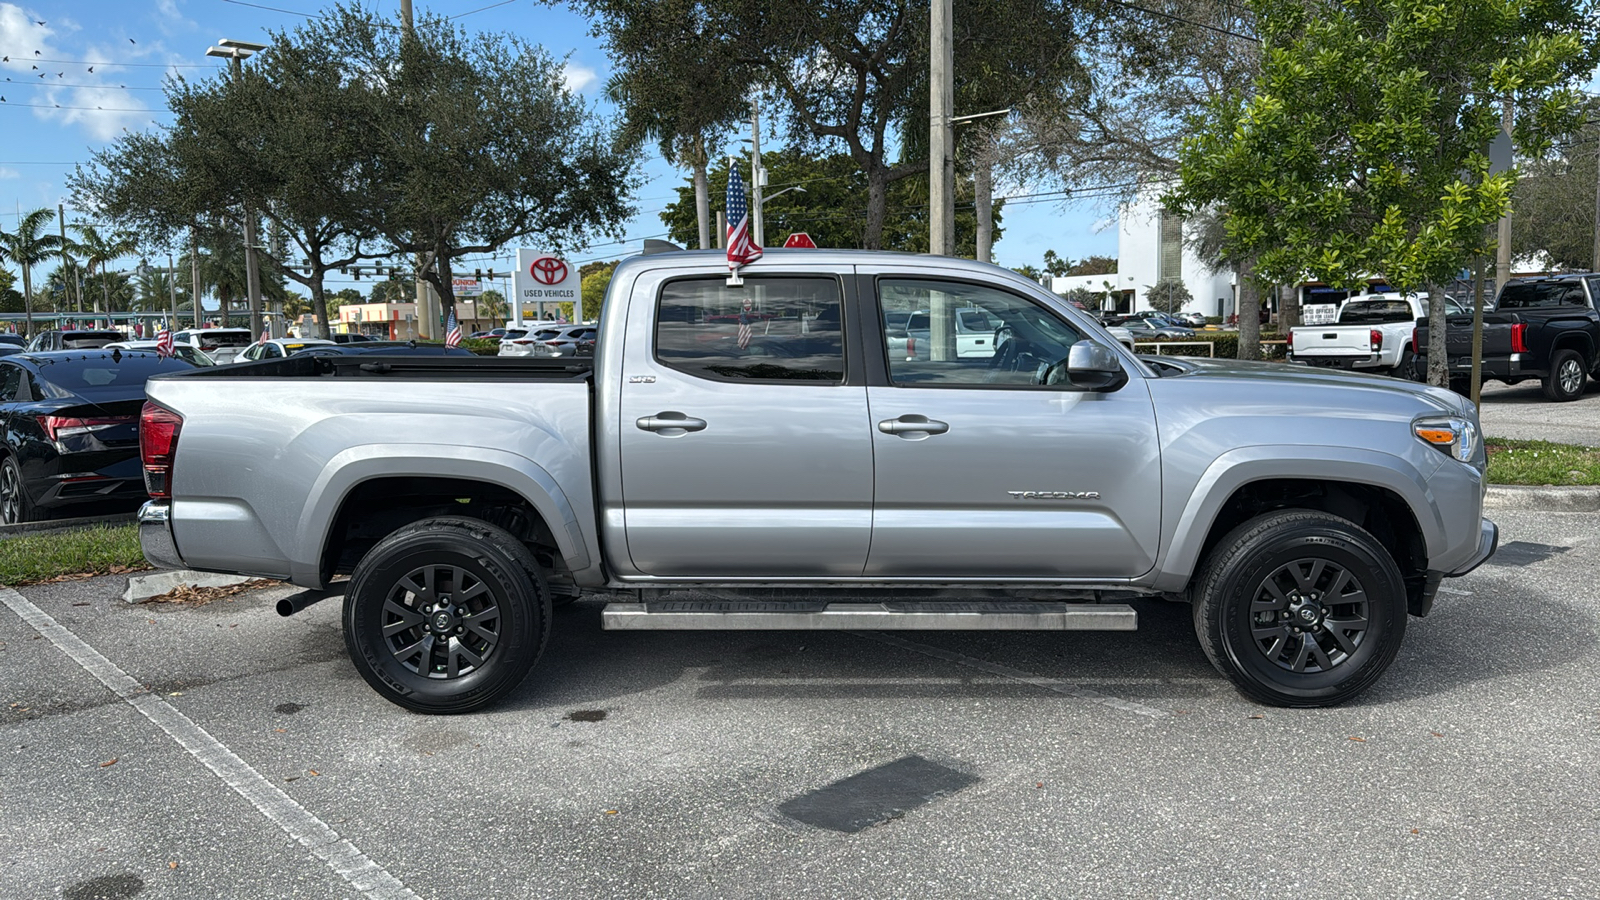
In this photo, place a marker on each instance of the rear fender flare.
(351, 467)
(1236, 468)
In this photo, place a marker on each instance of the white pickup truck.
(1373, 332)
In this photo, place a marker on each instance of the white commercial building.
(1151, 254)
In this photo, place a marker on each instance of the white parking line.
(1049, 684)
(348, 862)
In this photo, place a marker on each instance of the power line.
(292, 12)
(70, 84)
(89, 108)
(482, 8)
(90, 62)
(1165, 15)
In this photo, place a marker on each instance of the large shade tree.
(1362, 148)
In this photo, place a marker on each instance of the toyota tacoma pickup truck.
(1373, 333)
(698, 476)
(1543, 329)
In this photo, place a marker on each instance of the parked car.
(514, 344)
(491, 334)
(7, 339)
(1373, 332)
(70, 421)
(1146, 329)
(54, 339)
(574, 340)
(1304, 514)
(383, 348)
(1191, 319)
(975, 333)
(278, 348)
(188, 354)
(223, 345)
(1545, 329)
(352, 337)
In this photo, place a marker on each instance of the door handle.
(671, 424)
(910, 425)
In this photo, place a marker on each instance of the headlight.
(1454, 435)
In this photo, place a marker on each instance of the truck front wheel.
(1300, 608)
(446, 615)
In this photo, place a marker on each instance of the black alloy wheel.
(446, 615)
(15, 507)
(1300, 608)
(1568, 376)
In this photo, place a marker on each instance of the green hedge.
(482, 346)
(1224, 343)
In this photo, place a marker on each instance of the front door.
(983, 471)
(745, 450)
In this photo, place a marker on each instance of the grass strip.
(1541, 463)
(53, 556)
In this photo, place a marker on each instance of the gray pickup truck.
(750, 457)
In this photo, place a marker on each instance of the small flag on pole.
(164, 348)
(744, 326)
(742, 251)
(266, 335)
(452, 329)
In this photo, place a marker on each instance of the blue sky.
(49, 123)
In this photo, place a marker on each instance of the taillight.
(1288, 342)
(524, 341)
(58, 427)
(158, 441)
(1377, 340)
(1519, 338)
(1415, 347)
(911, 348)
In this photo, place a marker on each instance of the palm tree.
(28, 246)
(100, 250)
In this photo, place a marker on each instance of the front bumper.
(1488, 542)
(155, 535)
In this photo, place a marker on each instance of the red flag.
(164, 346)
(742, 251)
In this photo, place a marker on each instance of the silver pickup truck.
(702, 473)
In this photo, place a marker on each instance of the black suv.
(73, 340)
(1539, 328)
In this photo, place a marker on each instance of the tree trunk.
(1249, 311)
(983, 183)
(319, 304)
(441, 272)
(1288, 308)
(877, 207)
(702, 193)
(27, 295)
(1438, 365)
(194, 274)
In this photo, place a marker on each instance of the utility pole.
(236, 52)
(1502, 253)
(172, 289)
(941, 143)
(67, 277)
(1595, 265)
(194, 274)
(758, 229)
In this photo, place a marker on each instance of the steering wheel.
(1004, 337)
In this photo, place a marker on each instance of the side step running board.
(738, 615)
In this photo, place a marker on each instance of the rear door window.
(10, 381)
(769, 329)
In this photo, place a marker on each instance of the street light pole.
(236, 52)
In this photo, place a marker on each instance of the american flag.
(452, 329)
(266, 335)
(742, 251)
(744, 326)
(164, 346)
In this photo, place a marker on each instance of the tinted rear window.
(209, 340)
(1375, 312)
(87, 340)
(101, 377)
(1532, 296)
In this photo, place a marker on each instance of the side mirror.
(1088, 367)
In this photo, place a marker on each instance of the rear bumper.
(1362, 361)
(155, 535)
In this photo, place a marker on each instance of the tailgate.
(1332, 340)
(1458, 335)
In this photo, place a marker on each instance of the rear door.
(981, 471)
(745, 447)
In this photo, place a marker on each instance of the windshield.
(1375, 312)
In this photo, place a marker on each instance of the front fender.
(349, 468)
(1236, 468)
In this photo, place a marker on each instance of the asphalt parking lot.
(246, 758)
(1522, 412)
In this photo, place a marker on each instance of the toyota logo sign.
(548, 270)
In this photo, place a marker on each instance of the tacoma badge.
(1054, 495)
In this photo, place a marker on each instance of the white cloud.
(101, 111)
(9, 173)
(170, 20)
(578, 77)
(21, 35)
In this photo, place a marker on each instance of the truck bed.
(431, 368)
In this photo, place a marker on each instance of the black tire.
(1307, 551)
(15, 507)
(1568, 376)
(490, 640)
(1407, 366)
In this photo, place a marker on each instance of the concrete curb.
(143, 587)
(1548, 498)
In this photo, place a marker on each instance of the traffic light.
(478, 274)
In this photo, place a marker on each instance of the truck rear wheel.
(446, 615)
(1568, 376)
(1300, 608)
